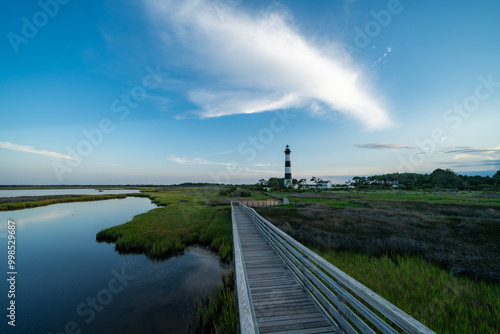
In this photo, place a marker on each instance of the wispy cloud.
(257, 63)
(384, 58)
(384, 146)
(470, 150)
(31, 149)
(494, 163)
(224, 152)
(465, 156)
(196, 161)
(260, 171)
(483, 155)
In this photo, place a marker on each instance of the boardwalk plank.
(280, 302)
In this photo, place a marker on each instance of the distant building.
(324, 184)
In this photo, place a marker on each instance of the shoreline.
(28, 202)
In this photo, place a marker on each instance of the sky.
(165, 92)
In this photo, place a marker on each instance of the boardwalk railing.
(260, 204)
(248, 322)
(348, 304)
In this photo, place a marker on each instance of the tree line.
(439, 178)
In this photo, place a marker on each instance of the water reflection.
(65, 276)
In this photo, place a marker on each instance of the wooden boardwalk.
(281, 304)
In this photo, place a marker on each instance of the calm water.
(48, 192)
(66, 279)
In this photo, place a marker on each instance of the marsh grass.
(219, 233)
(182, 221)
(445, 197)
(437, 261)
(216, 312)
(460, 238)
(19, 203)
(444, 302)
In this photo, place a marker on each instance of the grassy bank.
(216, 312)
(438, 262)
(182, 220)
(185, 217)
(19, 203)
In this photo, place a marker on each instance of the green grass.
(458, 197)
(441, 301)
(219, 233)
(333, 202)
(460, 238)
(260, 196)
(55, 200)
(182, 221)
(453, 197)
(216, 312)
(450, 197)
(434, 255)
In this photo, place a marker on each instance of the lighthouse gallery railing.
(347, 303)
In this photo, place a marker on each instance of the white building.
(324, 184)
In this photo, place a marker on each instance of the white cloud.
(385, 146)
(196, 161)
(224, 152)
(258, 63)
(464, 156)
(221, 103)
(260, 171)
(31, 149)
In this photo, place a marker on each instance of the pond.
(66, 282)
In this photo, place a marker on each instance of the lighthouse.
(288, 168)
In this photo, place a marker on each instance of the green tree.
(496, 178)
(301, 182)
(359, 181)
(445, 178)
(273, 183)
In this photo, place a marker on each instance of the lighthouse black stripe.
(288, 168)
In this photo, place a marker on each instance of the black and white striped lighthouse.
(288, 168)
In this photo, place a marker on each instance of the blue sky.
(158, 91)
